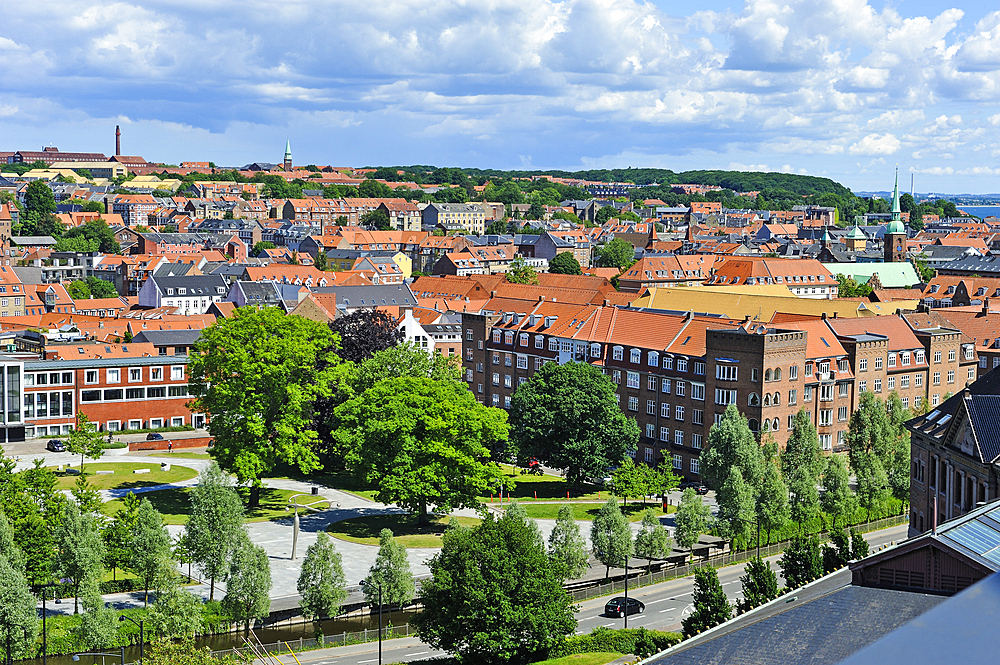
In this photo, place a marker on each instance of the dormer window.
(170, 292)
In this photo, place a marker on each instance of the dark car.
(56, 446)
(699, 488)
(154, 436)
(616, 607)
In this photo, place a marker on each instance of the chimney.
(541, 298)
(986, 307)
(607, 303)
(824, 316)
(118, 141)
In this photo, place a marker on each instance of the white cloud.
(875, 144)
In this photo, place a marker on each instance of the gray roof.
(984, 412)
(32, 240)
(371, 296)
(982, 265)
(820, 624)
(168, 337)
(174, 269)
(28, 274)
(260, 293)
(459, 207)
(195, 284)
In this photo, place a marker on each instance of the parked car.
(55, 445)
(699, 488)
(154, 436)
(616, 607)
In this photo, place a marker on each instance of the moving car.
(55, 445)
(699, 488)
(154, 436)
(616, 607)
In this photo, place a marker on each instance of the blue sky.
(841, 88)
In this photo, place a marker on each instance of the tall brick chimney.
(118, 140)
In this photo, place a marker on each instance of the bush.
(641, 642)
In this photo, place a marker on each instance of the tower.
(288, 156)
(894, 244)
(118, 140)
(856, 240)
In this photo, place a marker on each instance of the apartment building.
(468, 216)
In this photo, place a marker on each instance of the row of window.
(48, 379)
(117, 394)
(134, 374)
(48, 405)
(678, 462)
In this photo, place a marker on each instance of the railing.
(338, 640)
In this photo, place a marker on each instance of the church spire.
(896, 216)
(288, 155)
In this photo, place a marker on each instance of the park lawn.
(587, 511)
(123, 476)
(175, 506)
(599, 658)
(365, 530)
(549, 488)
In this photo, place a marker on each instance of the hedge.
(641, 642)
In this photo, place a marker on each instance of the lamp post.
(295, 504)
(45, 644)
(10, 654)
(378, 583)
(103, 655)
(626, 592)
(138, 623)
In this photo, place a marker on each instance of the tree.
(84, 289)
(497, 227)
(99, 624)
(86, 497)
(838, 499)
(567, 548)
(365, 332)
(423, 442)
(653, 540)
(736, 507)
(801, 561)
(9, 551)
(39, 200)
(627, 480)
(98, 234)
(611, 536)
(837, 554)
(18, 612)
(84, 440)
(119, 535)
(321, 261)
(802, 448)
(215, 524)
(564, 263)
(79, 550)
(604, 214)
(731, 443)
(803, 497)
(260, 246)
(321, 583)
(617, 253)
(392, 570)
(176, 613)
(897, 461)
(869, 430)
(849, 288)
(711, 607)
(567, 417)
(691, 519)
(248, 585)
(873, 483)
(521, 273)
(76, 244)
(760, 584)
(152, 561)
(859, 546)
(772, 502)
(375, 220)
(373, 189)
(405, 359)
(258, 374)
(493, 597)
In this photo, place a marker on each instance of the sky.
(844, 89)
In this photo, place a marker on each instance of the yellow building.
(106, 170)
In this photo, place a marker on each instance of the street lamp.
(45, 645)
(294, 503)
(138, 623)
(10, 655)
(626, 592)
(378, 583)
(103, 655)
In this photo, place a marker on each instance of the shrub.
(641, 642)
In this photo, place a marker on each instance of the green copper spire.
(896, 225)
(288, 149)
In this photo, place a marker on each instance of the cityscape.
(565, 369)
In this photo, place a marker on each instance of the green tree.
(321, 261)
(215, 524)
(567, 548)
(9, 550)
(653, 540)
(617, 253)
(119, 535)
(869, 430)
(711, 607)
(802, 448)
(801, 561)
(567, 417)
(627, 480)
(260, 246)
(859, 546)
(392, 570)
(772, 501)
(98, 235)
(731, 443)
(152, 561)
(258, 374)
(803, 497)
(175, 613)
(76, 243)
(611, 536)
(497, 227)
(39, 202)
(605, 214)
(79, 550)
(521, 273)
(88, 498)
(98, 626)
(423, 442)
(760, 584)
(493, 597)
(84, 440)
(564, 263)
(838, 553)
(248, 585)
(18, 612)
(736, 507)
(691, 520)
(375, 220)
(849, 288)
(873, 483)
(897, 461)
(321, 583)
(838, 500)
(373, 189)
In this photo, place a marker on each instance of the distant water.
(981, 211)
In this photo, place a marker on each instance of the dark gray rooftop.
(168, 337)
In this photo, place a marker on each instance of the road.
(666, 604)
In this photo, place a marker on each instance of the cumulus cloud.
(875, 144)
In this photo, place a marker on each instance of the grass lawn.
(175, 506)
(583, 659)
(365, 530)
(587, 511)
(123, 476)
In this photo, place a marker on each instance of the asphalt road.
(666, 604)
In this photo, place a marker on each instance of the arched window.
(754, 425)
(774, 425)
(777, 399)
(767, 399)
(753, 400)
(777, 374)
(767, 375)
(767, 425)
